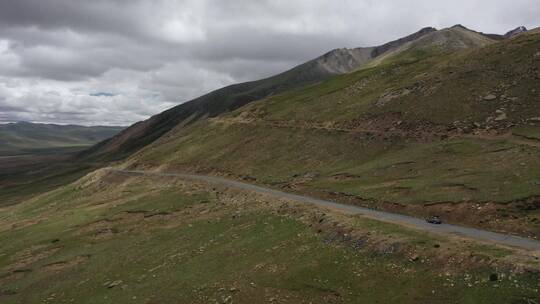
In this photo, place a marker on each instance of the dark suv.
(434, 220)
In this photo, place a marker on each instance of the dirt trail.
(510, 137)
(482, 235)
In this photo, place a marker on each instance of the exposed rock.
(113, 284)
(359, 244)
(518, 30)
(389, 96)
(395, 44)
(489, 97)
(502, 116)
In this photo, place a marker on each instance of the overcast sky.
(114, 62)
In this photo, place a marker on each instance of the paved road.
(483, 235)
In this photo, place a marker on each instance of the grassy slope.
(235, 96)
(344, 136)
(36, 158)
(411, 173)
(24, 176)
(401, 159)
(442, 88)
(159, 241)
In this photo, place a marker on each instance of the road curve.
(472, 233)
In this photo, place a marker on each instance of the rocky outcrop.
(512, 33)
(340, 61)
(397, 43)
(518, 30)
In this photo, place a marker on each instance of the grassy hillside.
(117, 239)
(24, 176)
(28, 138)
(36, 158)
(227, 99)
(428, 130)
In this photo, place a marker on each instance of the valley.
(36, 158)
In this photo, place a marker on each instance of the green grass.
(444, 87)
(451, 171)
(28, 180)
(410, 173)
(412, 120)
(532, 132)
(196, 257)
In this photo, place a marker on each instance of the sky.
(115, 62)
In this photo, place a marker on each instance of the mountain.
(515, 32)
(518, 30)
(25, 137)
(336, 62)
(449, 121)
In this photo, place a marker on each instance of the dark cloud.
(61, 59)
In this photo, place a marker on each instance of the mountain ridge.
(426, 132)
(335, 62)
(332, 63)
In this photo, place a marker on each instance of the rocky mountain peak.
(377, 51)
(460, 26)
(518, 30)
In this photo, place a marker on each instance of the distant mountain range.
(26, 137)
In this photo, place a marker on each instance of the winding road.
(472, 233)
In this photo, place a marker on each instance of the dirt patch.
(453, 187)
(102, 229)
(344, 177)
(162, 215)
(391, 95)
(64, 265)
(96, 226)
(31, 255)
(25, 223)
(10, 277)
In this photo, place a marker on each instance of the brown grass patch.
(64, 265)
(31, 255)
